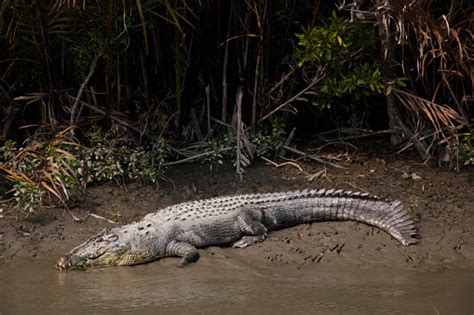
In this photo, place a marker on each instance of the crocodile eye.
(112, 238)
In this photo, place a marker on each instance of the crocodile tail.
(384, 214)
(398, 223)
(331, 204)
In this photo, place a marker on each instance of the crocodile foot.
(248, 240)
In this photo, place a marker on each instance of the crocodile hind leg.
(188, 252)
(250, 223)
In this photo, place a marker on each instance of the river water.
(217, 285)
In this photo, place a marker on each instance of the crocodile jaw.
(78, 262)
(104, 249)
(124, 258)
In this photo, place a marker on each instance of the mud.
(359, 256)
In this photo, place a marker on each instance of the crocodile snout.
(61, 263)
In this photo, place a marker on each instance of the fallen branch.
(316, 159)
(101, 218)
(316, 175)
(374, 133)
(197, 156)
(284, 164)
(75, 218)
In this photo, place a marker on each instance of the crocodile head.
(107, 248)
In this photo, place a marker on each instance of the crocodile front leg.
(250, 223)
(188, 252)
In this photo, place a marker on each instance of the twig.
(221, 122)
(282, 80)
(224, 73)
(316, 79)
(170, 180)
(117, 120)
(374, 133)
(208, 108)
(318, 175)
(411, 142)
(283, 164)
(197, 156)
(83, 86)
(310, 177)
(306, 155)
(342, 130)
(239, 156)
(356, 187)
(461, 111)
(101, 218)
(76, 219)
(242, 142)
(367, 132)
(260, 22)
(166, 124)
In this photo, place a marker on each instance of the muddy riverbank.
(441, 202)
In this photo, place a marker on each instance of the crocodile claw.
(248, 240)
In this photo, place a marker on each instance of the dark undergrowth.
(119, 91)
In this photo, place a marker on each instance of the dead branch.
(372, 133)
(318, 77)
(101, 218)
(316, 175)
(194, 157)
(283, 164)
(311, 157)
(83, 86)
(411, 143)
(112, 117)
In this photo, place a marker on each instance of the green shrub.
(62, 168)
(347, 51)
(269, 139)
(467, 147)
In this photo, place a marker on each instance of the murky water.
(217, 285)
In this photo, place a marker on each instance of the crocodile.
(240, 220)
